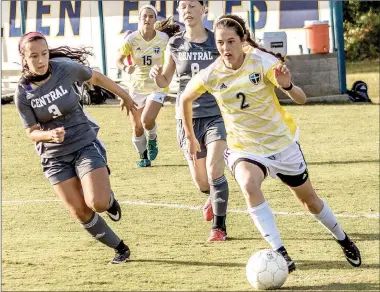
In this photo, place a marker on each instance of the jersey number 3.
(243, 104)
(53, 109)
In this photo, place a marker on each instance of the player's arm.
(194, 89)
(32, 128)
(125, 53)
(162, 76)
(284, 80)
(56, 135)
(99, 79)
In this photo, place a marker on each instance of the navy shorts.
(207, 130)
(77, 164)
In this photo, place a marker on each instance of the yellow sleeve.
(126, 49)
(270, 74)
(197, 85)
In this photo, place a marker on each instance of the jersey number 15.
(147, 60)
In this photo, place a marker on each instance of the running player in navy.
(187, 53)
(72, 158)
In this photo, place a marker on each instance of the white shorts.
(290, 161)
(141, 99)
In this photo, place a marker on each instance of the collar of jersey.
(148, 42)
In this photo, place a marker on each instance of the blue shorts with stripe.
(76, 164)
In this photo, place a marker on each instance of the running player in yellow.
(262, 137)
(146, 48)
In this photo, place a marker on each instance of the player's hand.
(128, 104)
(130, 69)
(57, 135)
(155, 71)
(193, 147)
(282, 75)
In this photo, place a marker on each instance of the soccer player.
(72, 158)
(187, 53)
(145, 48)
(262, 136)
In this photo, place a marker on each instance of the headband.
(26, 37)
(233, 20)
(150, 7)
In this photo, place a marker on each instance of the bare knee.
(147, 122)
(251, 189)
(98, 204)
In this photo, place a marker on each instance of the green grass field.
(43, 249)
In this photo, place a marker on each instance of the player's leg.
(91, 168)
(308, 198)
(297, 179)
(153, 106)
(250, 174)
(139, 138)
(199, 171)
(66, 184)
(215, 140)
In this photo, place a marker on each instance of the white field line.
(187, 207)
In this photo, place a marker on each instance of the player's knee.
(250, 189)
(98, 204)
(216, 169)
(148, 123)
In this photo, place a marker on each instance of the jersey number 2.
(243, 104)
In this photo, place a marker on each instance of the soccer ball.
(266, 269)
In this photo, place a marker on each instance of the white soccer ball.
(266, 269)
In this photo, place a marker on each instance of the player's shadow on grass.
(327, 265)
(335, 287)
(342, 162)
(191, 263)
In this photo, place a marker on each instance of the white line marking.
(180, 206)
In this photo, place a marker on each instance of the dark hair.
(167, 26)
(238, 24)
(79, 55)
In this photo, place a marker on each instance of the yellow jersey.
(253, 116)
(144, 55)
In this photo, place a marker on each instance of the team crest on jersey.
(255, 78)
(156, 50)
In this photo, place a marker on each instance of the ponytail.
(167, 26)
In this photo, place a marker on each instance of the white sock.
(152, 134)
(328, 220)
(264, 221)
(139, 143)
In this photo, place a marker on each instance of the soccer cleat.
(208, 212)
(291, 264)
(121, 256)
(143, 163)
(217, 235)
(114, 212)
(351, 252)
(152, 149)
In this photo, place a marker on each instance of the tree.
(361, 29)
